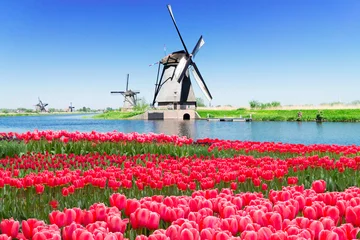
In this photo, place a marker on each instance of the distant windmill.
(174, 86)
(41, 106)
(130, 97)
(71, 107)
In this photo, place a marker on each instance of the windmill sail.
(200, 81)
(198, 45)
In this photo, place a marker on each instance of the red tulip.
(116, 224)
(316, 227)
(87, 217)
(29, 225)
(310, 213)
(39, 188)
(68, 230)
(319, 186)
(328, 235)
(82, 234)
(131, 206)
(5, 237)
(207, 234)
(118, 200)
(153, 221)
(54, 204)
(58, 218)
(9, 227)
(188, 234)
(249, 235)
(352, 215)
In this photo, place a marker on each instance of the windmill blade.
(200, 81)
(197, 47)
(177, 29)
(45, 104)
(127, 82)
(153, 64)
(181, 68)
(117, 92)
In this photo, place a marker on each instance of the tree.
(254, 104)
(141, 105)
(200, 102)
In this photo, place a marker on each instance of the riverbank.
(39, 114)
(116, 115)
(329, 115)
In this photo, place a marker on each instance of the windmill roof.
(173, 57)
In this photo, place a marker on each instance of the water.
(292, 132)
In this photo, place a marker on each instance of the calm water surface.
(292, 132)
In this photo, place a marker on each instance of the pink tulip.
(9, 227)
(319, 186)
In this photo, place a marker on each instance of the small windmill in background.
(130, 96)
(71, 108)
(41, 106)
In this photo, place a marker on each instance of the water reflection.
(293, 132)
(174, 127)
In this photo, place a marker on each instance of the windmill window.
(186, 116)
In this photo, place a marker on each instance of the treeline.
(259, 105)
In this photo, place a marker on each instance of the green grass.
(12, 114)
(117, 115)
(333, 115)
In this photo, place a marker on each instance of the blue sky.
(292, 51)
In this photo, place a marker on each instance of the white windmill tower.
(130, 96)
(174, 86)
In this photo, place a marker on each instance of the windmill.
(71, 107)
(130, 97)
(41, 106)
(174, 86)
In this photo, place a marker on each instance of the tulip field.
(113, 186)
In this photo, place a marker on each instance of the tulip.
(58, 218)
(29, 225)
(39, 188)
(118, 200)
(68, 230)
(328, 235)
(319, 186)
(116, 224)
(87, 217)
(153, 221)
(5, 237)
(9, 227)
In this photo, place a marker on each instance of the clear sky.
(292, 51)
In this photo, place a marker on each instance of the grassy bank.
(331, 115)
(38, 114)
(117, 115)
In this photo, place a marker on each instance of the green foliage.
(11, 148)
(330, 115)
(200, 102)
(356, 102)
(256, 104)
(84, 109)
(141, 105)
(117, 115)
